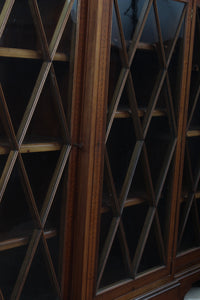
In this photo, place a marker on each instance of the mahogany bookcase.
(99, 149)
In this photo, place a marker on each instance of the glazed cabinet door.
(37, 48)
(129, 222)
(146, 73)
(188, 229)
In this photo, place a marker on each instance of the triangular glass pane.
(18, 78)
(151, 257)
(56, 213)
(38, 284)
(127, 107)
(189, 239)
(50, 12)
(20, 31)
(170, 10)
(3, 157)
(174, 74)
(115, 37)
(10, 264)
(116, 60)
(130, 13)
(45, 123)
(115, 269)
(53, 244)
(40, 172)
(16, 218)
(145, 71)
(54, 230)
(150, 33)
(187, 181)
(165, 107)
(161, 106)
(133, 219)
(107, 197)
(164, 206)
(140, 188)
(106, 218)
(195, 121)
(68, 38)
(195, 80)
(158, 141)
(194, 150)
(124, 105)
(120, 146)
(63, 75)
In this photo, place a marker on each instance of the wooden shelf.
(140, 46)
(32, 147)
(126, 113)
(29, 54)
(193, 133)
(40, 147)
(134, 201)
(145, 46)
(185, 196)
(23, 240)
(4, 148)
(197, 195)
(129, 202)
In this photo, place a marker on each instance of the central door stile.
(95, 19)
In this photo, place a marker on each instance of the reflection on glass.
(131, 11)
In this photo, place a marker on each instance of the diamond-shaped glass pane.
(152, 256)
(40, 172)
(120, 147)
(144, 79)
(50, 14)
(18, 87)
(150, 33)
(187, 230)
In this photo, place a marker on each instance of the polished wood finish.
(88, 188)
